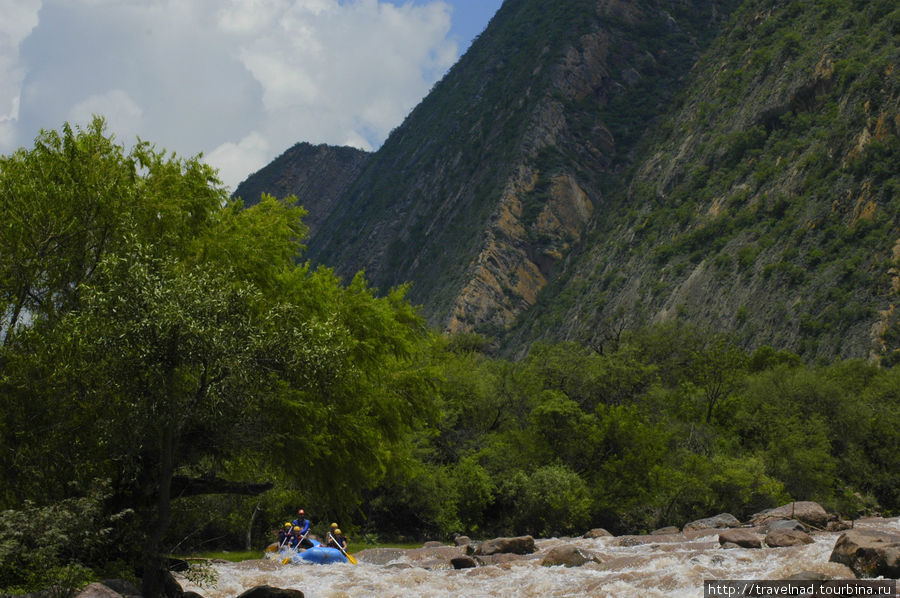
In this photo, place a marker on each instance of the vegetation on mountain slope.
(589, 166)
(320, 174)
(768, 203)
(490, 181)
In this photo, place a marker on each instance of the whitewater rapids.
(647, 566)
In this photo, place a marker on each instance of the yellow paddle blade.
(286, 561)
(351, 558)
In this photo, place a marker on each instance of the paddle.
(295, 548)
(349, 556)
(277, 546)
(287, 538)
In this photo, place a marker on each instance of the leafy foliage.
(676, 424)
(156, 333)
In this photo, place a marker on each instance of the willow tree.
(155, 329)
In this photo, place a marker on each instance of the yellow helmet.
(334, 526)
(296, 528)
(288, 525)
(337, 531)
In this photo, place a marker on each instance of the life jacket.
(303, 524)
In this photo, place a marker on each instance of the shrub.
(55, 545)
(554, 500)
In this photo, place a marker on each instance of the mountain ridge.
(320, 174)
(598, 165)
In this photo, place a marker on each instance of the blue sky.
(469, 18)
(238, 80)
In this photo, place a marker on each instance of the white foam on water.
(670, 568)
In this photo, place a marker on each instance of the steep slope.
(319, 175)
(485, 188)
(595, 165)
(768, 204)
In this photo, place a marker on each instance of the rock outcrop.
(463, 562)
(779, 538)
(597, 532)
(568, 556)
(869, 554)
(723, 520)
(516, 545)
(98, 590)
(808, 512)
(740, 537)
(271, 592)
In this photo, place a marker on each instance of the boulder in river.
(122, 586)
(805, 511)
(784, 524)
(98, 590)
(271, 592)
(722, 520)
(869, 553)
(379, 556)
(741, 537)
(779, 538)
(597, 532)
(463, 562)
(567, 555)
(517, 545)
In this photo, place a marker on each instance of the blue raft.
(318, 554)
(323, 555)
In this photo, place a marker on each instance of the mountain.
(319, 174)
(589, 166)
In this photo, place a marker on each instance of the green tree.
(174, 333)
(554, 500)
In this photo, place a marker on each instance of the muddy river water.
(647, 566)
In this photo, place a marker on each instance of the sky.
(239, 81)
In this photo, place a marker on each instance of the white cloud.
(19, 18)
(236, 160)
(122, 113)
(341, 72)
(240, 81)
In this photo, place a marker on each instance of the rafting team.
(294, 535)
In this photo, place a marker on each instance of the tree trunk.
(153, 581)
(183, 486)
(250, 527)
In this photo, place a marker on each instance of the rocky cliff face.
(599, 164)
(489, 184)
(767, 204)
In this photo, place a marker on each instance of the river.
(646, 566)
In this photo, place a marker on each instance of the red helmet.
(301, 512)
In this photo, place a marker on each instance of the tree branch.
(183, 486)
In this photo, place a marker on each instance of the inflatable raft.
(323, 555)
(318, 554)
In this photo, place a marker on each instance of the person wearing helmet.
(336, 539)
(296, 537)
(284, 534)
(301, 521)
